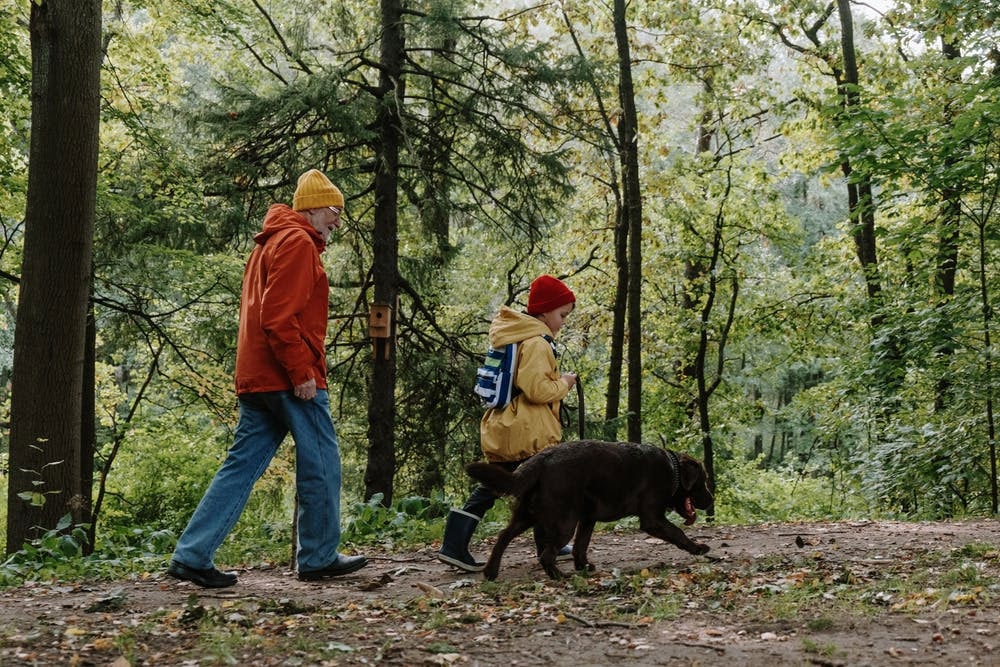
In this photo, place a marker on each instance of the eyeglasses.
(336, 210)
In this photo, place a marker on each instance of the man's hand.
(306, 391)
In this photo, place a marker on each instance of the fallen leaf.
(432, 591)
(103, 644)
(377, 582)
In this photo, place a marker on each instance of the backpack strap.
(515, 390)
(552, 344)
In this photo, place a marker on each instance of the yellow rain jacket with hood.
(530, 423)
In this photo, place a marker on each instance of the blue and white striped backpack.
(495, 378)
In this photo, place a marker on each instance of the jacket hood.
(510, 326)
(281, 217)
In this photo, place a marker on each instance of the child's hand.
(570, 379)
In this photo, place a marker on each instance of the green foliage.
(748, 493)
(58, 555)
(3, 503)
(43, 556)
(846, 404)
(260, 538)
(939, 469)
(411, 521)
(15, 85)
(162, 471)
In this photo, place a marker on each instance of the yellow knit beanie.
(316, 191)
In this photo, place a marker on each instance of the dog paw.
(700, 549)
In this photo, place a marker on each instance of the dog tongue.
(690, 514)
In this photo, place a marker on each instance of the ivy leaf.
(33, 497)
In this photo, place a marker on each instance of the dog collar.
(676, 463)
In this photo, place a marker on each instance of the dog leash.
(579, 409)
(564, 412)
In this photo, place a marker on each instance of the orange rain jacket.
(283, 307)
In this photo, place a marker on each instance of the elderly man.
(281, 386)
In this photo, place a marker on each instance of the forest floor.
(840, 593)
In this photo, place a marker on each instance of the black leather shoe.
(343, 565)
(210, 578)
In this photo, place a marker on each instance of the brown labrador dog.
(570, 487)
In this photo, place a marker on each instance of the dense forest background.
(779, 220)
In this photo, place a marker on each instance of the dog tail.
(496, 478)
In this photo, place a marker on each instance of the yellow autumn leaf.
(103, 644)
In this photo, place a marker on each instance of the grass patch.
(821, 624)
(828, 650)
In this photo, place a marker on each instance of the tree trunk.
(695, 269)
(632, 212)
(947, 253)
(50, 333)
(88, 426)
(381, 408)
(615, 364)
(861, 211)
(986, 310)
(435, 217)
(612, 406)
(859, 190)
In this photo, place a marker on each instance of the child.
(530, 423)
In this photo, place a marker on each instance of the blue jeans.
(265, 419)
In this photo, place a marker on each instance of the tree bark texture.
(381, 464)
(947, 253)
(632, 210)
(50, 334)
(859, 188)
(613, 398)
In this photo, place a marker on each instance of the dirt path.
(845, 593)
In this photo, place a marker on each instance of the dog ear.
(691, 472)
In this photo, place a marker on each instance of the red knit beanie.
(548, 293)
